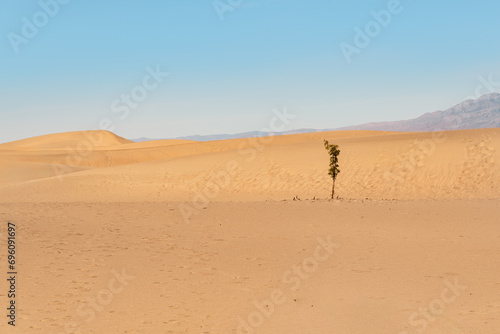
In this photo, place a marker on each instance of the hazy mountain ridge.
(483, 112)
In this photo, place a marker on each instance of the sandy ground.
(189, 237)
(388, 267)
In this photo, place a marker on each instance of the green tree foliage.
(333, 171)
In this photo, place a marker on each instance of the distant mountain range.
(471, 114)
(483, 112)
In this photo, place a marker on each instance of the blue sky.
(227, 75)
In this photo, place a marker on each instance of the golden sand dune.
(380, 165)
(178, 236)
(47, 156)
(151, 144)
(60, 140)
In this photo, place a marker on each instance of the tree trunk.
(333, 188)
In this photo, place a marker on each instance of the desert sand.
(100, 166)
(175, 236)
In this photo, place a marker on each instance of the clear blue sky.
(226, 76)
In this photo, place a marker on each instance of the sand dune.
(60, 140)
(379, 165)
(187, 237)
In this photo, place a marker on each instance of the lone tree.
(333, 171)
